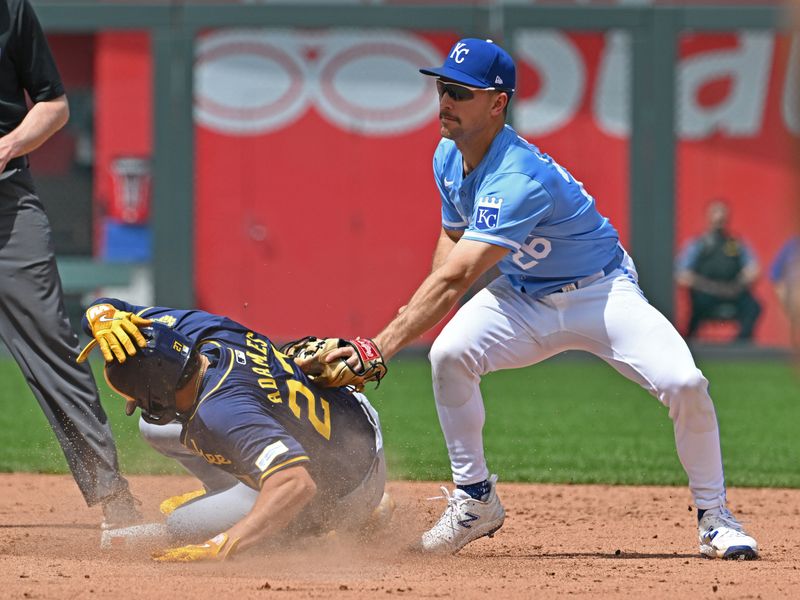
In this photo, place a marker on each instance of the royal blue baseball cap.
(478, 63)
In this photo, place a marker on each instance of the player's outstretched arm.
(281, 499)
(440, 291)
(467, 261)
(444, 246)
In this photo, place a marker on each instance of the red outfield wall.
(316, 210)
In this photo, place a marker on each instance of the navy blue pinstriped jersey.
(258, 413)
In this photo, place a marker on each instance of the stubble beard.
(448, 128)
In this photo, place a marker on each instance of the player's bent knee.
(207, 515)
(689, 385)
(165, 439)
(447, 355)
(689, 403)
(185, 527)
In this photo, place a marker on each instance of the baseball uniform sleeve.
(194, 324)
(244, 438)
(451, 214)
(507, 209)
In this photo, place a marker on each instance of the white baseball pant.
(502, 328)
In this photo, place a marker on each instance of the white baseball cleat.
(722, 536)
(464, 520)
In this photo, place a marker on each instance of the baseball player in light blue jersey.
(566, 284)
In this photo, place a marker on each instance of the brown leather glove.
(309, 354)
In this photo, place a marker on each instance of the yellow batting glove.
(217, 548)
(114, 331)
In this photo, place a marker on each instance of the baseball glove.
(309, 354)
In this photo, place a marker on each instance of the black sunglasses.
(457, 91)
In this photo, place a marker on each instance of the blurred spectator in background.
(719, 270)
(785, 277)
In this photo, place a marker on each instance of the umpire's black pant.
(36, 330)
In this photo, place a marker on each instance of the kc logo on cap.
(478, 63)
(458, 51)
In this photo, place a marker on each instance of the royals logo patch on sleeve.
(487, 212)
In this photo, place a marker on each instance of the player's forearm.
(281, 499)
(429, 305)
(467, 261)
(444, 246)
(41, 122)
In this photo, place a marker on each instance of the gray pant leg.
(208, 515)
(211, 514)
(166, 440)
(35, 328)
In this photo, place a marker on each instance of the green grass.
(577, 420)
(29, 444)
(567, 420)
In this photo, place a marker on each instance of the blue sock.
(700, 513)
(477, 490)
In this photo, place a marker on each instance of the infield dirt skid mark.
(558, 540)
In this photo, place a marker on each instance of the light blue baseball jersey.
(521, 199)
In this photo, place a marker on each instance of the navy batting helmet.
(150, 377)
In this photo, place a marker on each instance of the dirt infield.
(558, 540)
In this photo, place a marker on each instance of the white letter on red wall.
(562, 76)
(790, 103)
(611, 100)
(741, 113)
